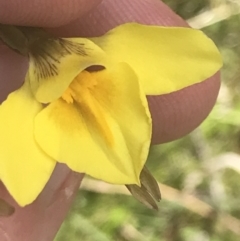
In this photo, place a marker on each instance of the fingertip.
(108, 14)
(177, 114)
(43, 13)
(46, 213)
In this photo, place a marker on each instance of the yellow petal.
(165, 59)
(54, 65)
(106, 135)
(24, 168)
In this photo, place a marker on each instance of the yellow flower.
(97, 122)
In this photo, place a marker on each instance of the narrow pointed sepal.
(150, 183)
(14, 38)
(142, 195)
(149, 190)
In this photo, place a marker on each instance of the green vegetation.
(204, 165)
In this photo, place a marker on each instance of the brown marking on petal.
(46, 55)
(46, 51)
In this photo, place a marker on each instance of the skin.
(174, 115)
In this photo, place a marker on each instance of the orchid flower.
(83, 103)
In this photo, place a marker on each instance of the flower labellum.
(97, 122)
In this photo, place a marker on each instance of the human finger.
(44, 12)
(41, 219)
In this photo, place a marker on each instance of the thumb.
(43, 13)
(41, 220)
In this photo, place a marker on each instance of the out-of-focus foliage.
(187, 8)
(205, 164)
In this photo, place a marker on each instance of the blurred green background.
(200, 174)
